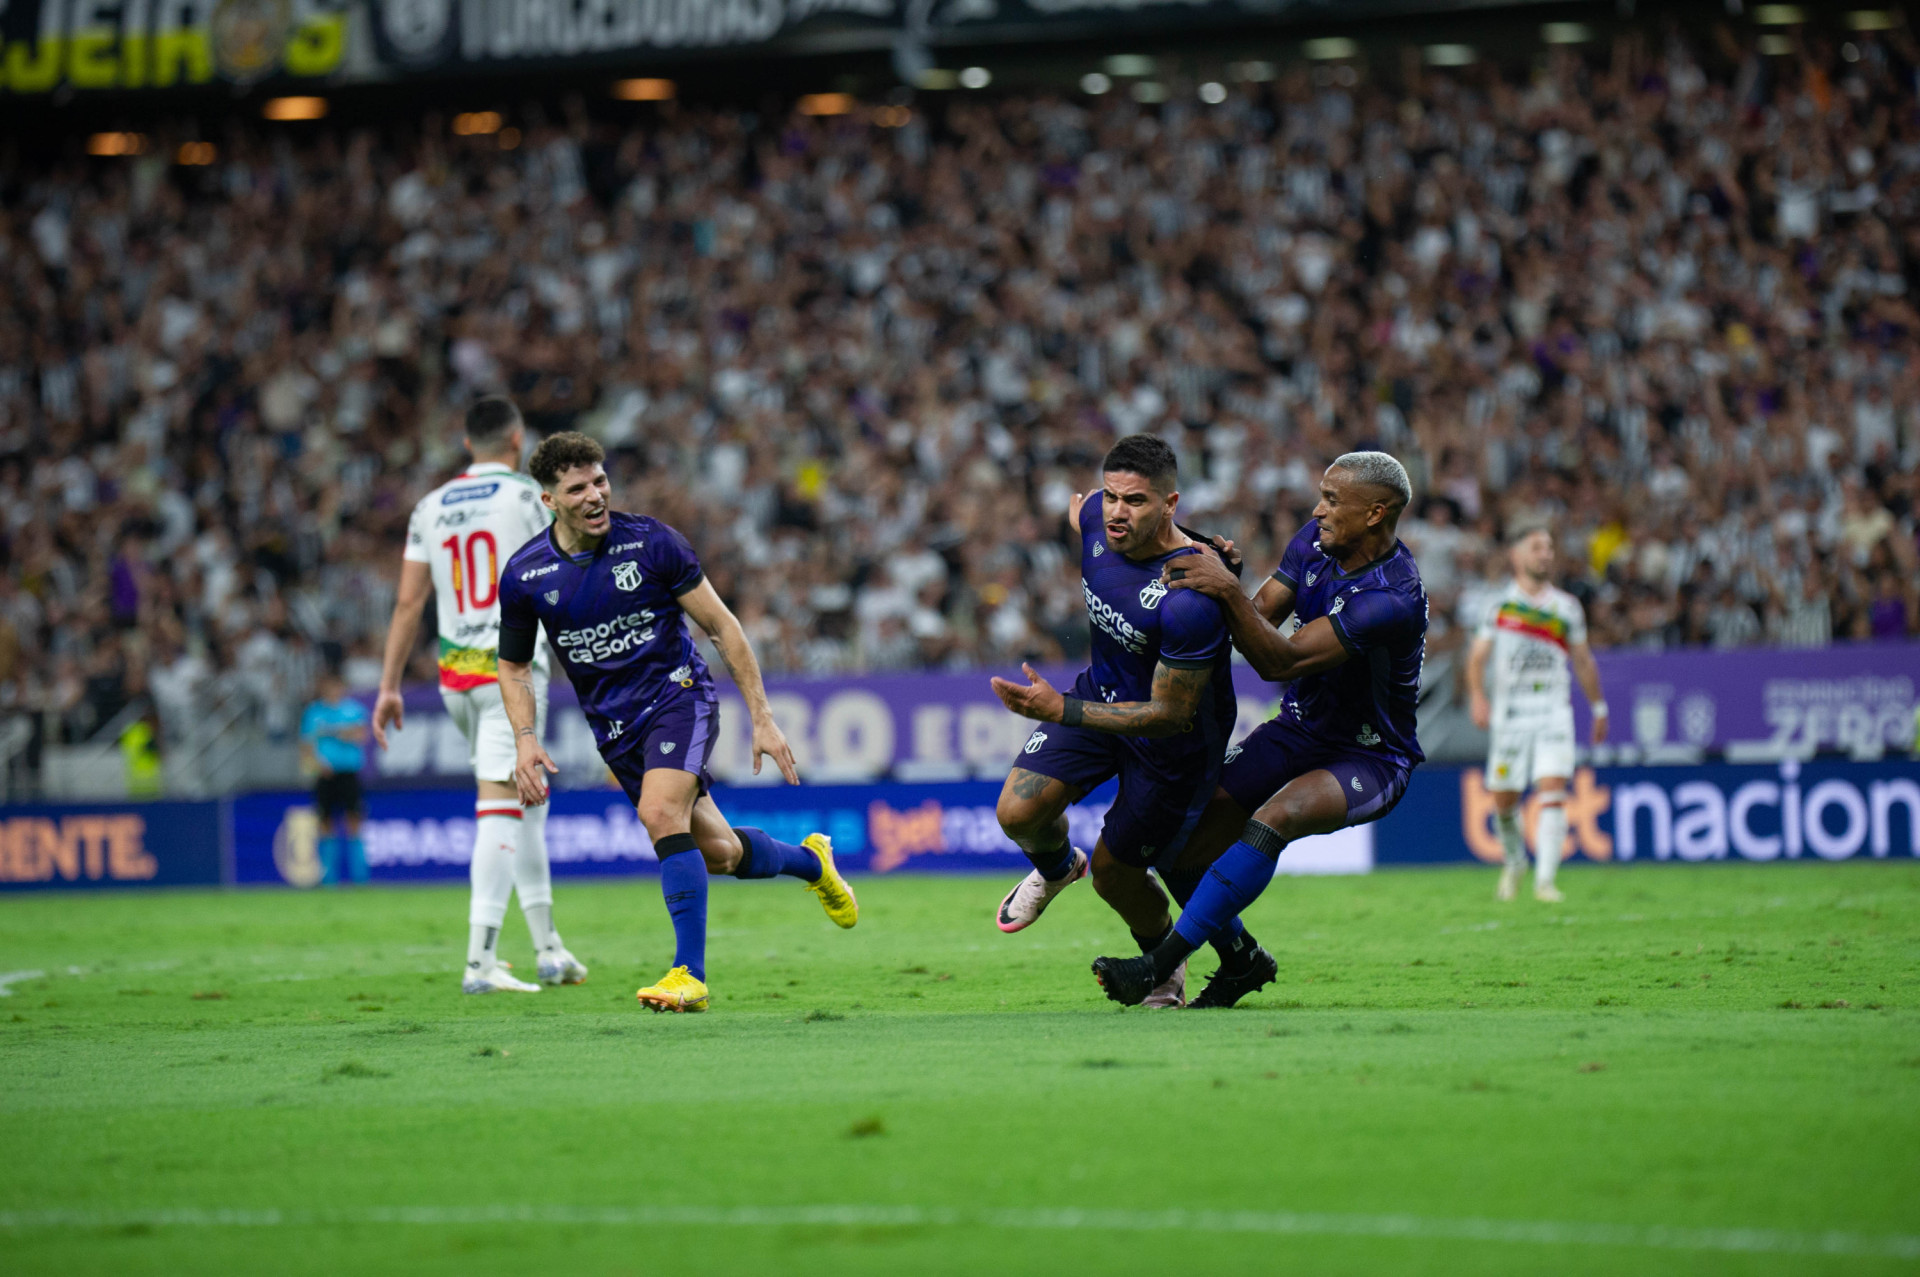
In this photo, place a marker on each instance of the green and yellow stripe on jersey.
(1534, 622)
(465, 667)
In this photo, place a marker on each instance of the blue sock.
(1053, 866)
(357, 859)
(328, 850)
(683, 881)
(764, 856)
(1235, 881)
(1232, 939)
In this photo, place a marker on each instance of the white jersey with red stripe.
(1527, 671)
(465, 530)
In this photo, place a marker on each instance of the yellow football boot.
(836, 897)
(676, 991)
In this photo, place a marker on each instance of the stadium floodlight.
(301, 108)
(1330, 48)
(194, 154)
(476, 123)
(1213, 93)
(1566, 33)
(1129, 64)
(1779, 15)
(117, 144)
(1870, 20)
(826, 104)
(1776, 46)
(1095, 83)
(975, 78)
(938, 78)
(645, 90)
(1450, 55)
(1251, 72)
(1149, 92)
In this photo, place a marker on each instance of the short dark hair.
(1147, 456)
(491, 419)
(559, 453)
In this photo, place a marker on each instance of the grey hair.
(1380, 470)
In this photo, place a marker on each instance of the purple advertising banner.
(1753, 705)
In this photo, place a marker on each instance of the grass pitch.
(1689, 1069)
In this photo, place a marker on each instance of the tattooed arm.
(1176, 698)
(523, 711)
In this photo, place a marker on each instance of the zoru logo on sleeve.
(627, 575)
(553, 596)
(1151, 594)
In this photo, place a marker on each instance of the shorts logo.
(666, 747)
(682, 676)
(1034, 742)
(1151, 595)
(552, 596)
(1356, 785)
(1367, 735)
(1232, 753)
(627, 575)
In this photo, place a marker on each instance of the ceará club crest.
(1151, 594)
(627, 575)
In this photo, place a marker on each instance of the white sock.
(496, 839)
(1550, 839)
(1511, 843)
(534, 880)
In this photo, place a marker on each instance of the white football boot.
(1509, 883)
(1173, 993)
(560, 967)
(1027, 901)
(495, 980)
(1547, 893)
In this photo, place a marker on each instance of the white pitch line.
(1409, 1227)
(10, 978)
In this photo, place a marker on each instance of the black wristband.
(1206, 539)
(1072, 711)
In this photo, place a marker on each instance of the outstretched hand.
(1038, 700)
(770, 741)
(1203, 572)
(389, 708)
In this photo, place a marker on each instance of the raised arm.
(416, 587)
(708, 612)
(1176, 698)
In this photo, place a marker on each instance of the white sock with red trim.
(496, 839)
(534, 880)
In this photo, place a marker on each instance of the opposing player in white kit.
(459, 538)
(1521, 652)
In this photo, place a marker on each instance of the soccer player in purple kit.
(1341, 748)
(611, 590)
(1154, 707)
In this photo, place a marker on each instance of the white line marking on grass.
(1411, 1227)
(11, 978)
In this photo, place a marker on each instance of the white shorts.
(481, 717)
(1524, 750)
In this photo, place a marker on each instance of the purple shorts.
(680, 734)
(1278, 752)
(1160, 799)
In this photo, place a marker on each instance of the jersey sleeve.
(1092, 522)
(1293, 562)
(1192, 630)
(1373, 618)
(417, 550)
(678, 566)
(1576, 622)
(1483, 626)
(519, 623)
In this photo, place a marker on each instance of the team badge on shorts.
(627, 575)
(1356, 785)
(1151, 594)
(1034, 742)
(666, 747)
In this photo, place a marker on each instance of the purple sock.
(764, 856)
(683, 881)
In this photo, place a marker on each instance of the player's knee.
(1020, 818)
(662, 818)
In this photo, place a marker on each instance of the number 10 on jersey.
(472, 587)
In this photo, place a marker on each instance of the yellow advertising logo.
(296, 847)
(40, 848)
(1586, 803)
(154, 46)
(898, 835)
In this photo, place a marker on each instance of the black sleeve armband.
(1206, 539)
(1072, 712)
(517, 645)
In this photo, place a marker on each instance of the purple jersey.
(614, 619)
(1379, 612)
(1138, 624)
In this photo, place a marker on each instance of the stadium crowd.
(1664, 297)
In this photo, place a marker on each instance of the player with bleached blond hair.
(1521, 689)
